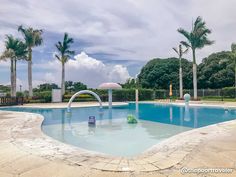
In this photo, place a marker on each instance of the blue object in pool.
(92, 120)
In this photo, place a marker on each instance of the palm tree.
(15, 49)
(196, 39)
(64, 55)
(180, 53)
(33, 38)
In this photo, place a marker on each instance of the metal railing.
(10, 101)
(202, 93)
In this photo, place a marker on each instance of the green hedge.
(228, 92)
(45, 97)
(117, 95)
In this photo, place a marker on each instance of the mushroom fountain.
(110, 86)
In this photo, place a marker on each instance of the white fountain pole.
(110, 98)
(186, 111)
(136, 96)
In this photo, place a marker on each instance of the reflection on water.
(186, 112)
(187, 116)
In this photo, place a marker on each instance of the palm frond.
(176, 50)
(184, 33)
(33, 37)
(186, 44)
(63, 48)
(185, 51)
(58, 57)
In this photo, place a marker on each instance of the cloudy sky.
(113, 39)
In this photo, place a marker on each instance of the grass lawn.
(218, 99)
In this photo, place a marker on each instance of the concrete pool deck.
(64, 104)
(25, 151)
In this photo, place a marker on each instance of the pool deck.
(73, 105)
(25, 151)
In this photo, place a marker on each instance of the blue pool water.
(112, 135)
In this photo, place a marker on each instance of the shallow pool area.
(113, 135)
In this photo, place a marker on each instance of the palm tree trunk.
(12, 77)
(30, 72)
(180, 77)
(180, 82)
(63, 79)
(194, 75)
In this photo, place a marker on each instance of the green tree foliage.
(32, 38)
(216, 71)
(46, 87)
(5, 89)
(130, 83)
(15, 50)
(75, 86)
(158, 73)
(197, 38)
(64, 54)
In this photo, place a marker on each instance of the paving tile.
(149, 167)
(56, 170)
(3, 174)
(23, 164)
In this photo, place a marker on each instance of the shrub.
(19, 94)
(228, 92)
(45, 96)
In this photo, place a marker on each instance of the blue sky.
(113, 39)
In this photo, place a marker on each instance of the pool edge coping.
(149, 160)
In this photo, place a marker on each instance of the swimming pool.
(112, 135)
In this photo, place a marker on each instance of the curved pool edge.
(64, 105)
(25, 133)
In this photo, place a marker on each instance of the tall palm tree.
(15, 49)
(64, 55)
(33, 38)
(180, 53)
(196, 39)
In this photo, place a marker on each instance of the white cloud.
(128, 30)
(93, 72)
(147, 28)
(83, 68)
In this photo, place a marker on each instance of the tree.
(64, 55)
(46, 87)
(216, 71)
(15, 49)
(180, 53)
(129, 84)
(159, 72)
(196, 39)
(75, 86)
(233, 50)
(33, 38)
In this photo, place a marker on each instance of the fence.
(9, 101)
(219, 94)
